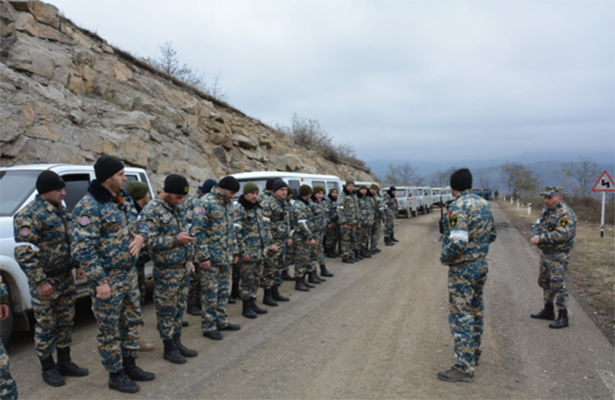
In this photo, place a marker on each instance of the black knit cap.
(269, 184)
(229, 183)
(461, 180)
(107, 166)
(176, 184)
(391, 189)
(278, 184)
(49, 181)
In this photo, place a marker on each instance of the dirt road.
(378, 329)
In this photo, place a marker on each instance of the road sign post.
(604, 184)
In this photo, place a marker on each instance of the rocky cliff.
(68, 96)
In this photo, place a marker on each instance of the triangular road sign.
(604, 184)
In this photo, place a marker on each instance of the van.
(18, 189)
(407, 202)
(294, 180)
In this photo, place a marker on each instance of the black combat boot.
(388, 242)
(376, 250)
(348, 260)
(287, 277)
(561, 321)
(247, 310)
(357, 256)
(366, 254)
(545, 313)
(194, 309)
(121, 382)
(51, 375)
(300, 286)
(275, 293)
(256, 308)
(306, 284)
(312, 278)
(268, 299)
(331, 253)
(318, 278)
(393, 238)
(135, 373)
(183, 350)
(324, 271)
(65, 365)
(171, 353)
(229, 327)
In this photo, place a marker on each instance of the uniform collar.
(48, 206)
(465, 192)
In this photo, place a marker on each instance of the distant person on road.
(42, 230)
(554, 234)
(348, 211)
(8, 387)
(391, 209)
(332, 234)
(305, 239)
(469, 229)
(379, 216)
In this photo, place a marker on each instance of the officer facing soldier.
(42, 231)
(554, 234)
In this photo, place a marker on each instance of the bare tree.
(484, 181)
(518, 178)
(584, 172)
(392, 175)
(407, 174)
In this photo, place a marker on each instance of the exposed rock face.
(69, 97)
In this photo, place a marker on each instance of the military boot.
(545, 313)
(358, 256)
(388, 242)
(194, 309)
(454, 375)
(275, 293)
(171, 353)
(247, 310)
(306, 284)
(376, 250)
(268, 299)
(324, 271)
(135, 373)
(65, 365)
(256, 308)
(300, 286)
(561, 321)
(318, 278)
(121, 382)
(312, 278)
(234, 289)
(287, 277)
(183, 350)
(393, 238)
(366, 254)
(348, 260)
(51, 375)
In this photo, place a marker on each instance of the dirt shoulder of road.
(591, 272)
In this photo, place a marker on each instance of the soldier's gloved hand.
(103, 292)
(536, 239)
(245, 258)
(135, 244)
(79, 274)
(234, 260)
(4, 312)
(312, 242)
(205, 264)
(273, 247)
(184, 238)
(45, 290)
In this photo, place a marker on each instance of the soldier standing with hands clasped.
(468, 232)
(554, 234)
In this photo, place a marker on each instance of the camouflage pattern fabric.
(348, 240)
(390, 212)
(216, 289)
(302, 220)
(321, 220)
(194, 292)
(250, 278)
(332, 234)
(290, 250)
(366, 208)
(170, 295)
(348, 214)
(275, 209)
(379, 215)
(469, 230)
(8, 388)
(143, 259)
(262, 196)
(552, 278)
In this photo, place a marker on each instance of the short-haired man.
(8, 387)
(554, 234)
(390, 205)
(379, 216)
(366, 215)
(321, 220)
(348, 212)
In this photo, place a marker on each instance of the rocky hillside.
(68, 96)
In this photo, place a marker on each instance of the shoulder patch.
(452, 213)
(189, 213)
(564, 221)
(149, 222)
(265, 212)
(84, 220)
(25, 231)
(453, 221)
(199, 211)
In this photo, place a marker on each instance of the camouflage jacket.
(366, 205)
(469, 229)
(556, 228)
(276, 210)
(348, 209)
(188, 205)
(262, 196)
(160, 224)
(302, 220)
(320, 216)
(212, 225)
(47, 230)
(251, 228)
(101, 233)
(4, 293)
(390, 206)
(331, 207)
(379, 208)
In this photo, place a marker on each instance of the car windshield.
(401, 193)
(15, 187)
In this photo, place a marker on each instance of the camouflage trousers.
(8, 387)
(274, 264)
(375, 234)
(119, 319)
(465, 296)
(170, 295)
(194, 293)
(290, 257)
(303, 259)
(216, 289)
(250, 277)
(332, 236)
(140, 264)
(54, 315)
(348, 243)
(388, 226)
(552, 278)
(317, 252)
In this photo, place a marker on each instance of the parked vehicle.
(17, 189)
(294, 180)
(436, 194)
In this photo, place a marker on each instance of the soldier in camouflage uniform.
(321, 220)
(469, 229)
(8, 388)
(255, 242)
(366, 210)
(276, 209)
(302, 221)
(389, 203)
(348, 213)
(290, 250)
(106, 245)
(332, 233)
(194, 293)
(268, 190)
(163, 222)
(554, 234)
(216, 250)
(42, 232)
(379, 216)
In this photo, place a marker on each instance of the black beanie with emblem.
(461, 180)
(229, 183)
(107, 166)
(176, 184)
(269, 184)
(49, 181)
(279, 184)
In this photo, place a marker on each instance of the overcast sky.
(412, 80)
